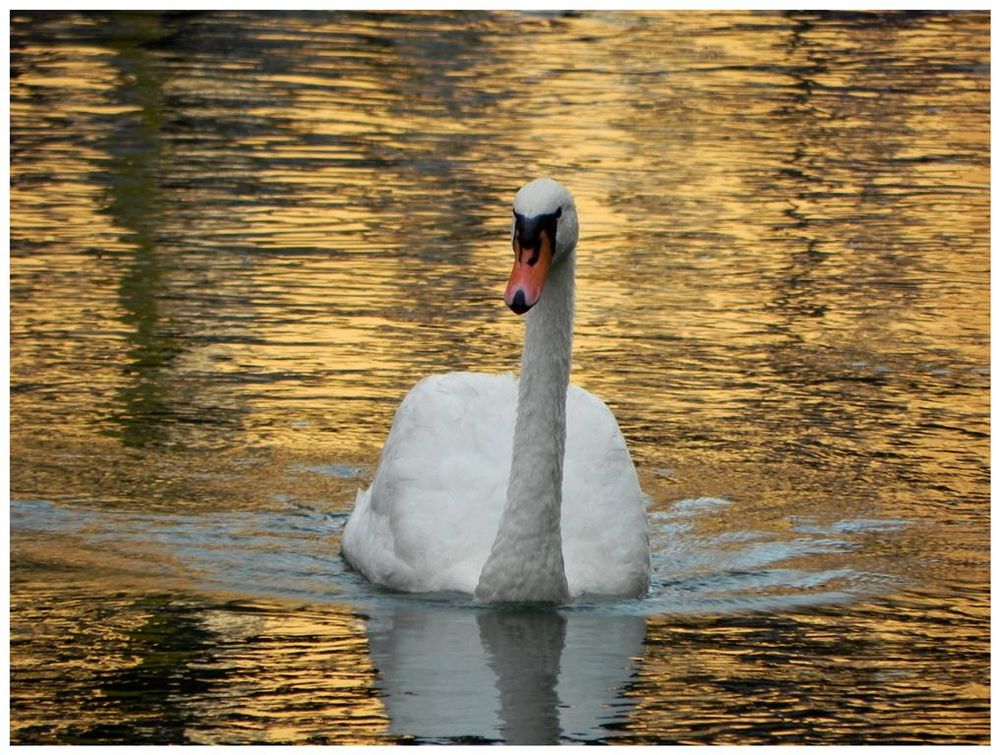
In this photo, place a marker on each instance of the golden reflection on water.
(146, 668)
(238, 239)
(753, 690)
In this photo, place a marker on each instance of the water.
(237, 240)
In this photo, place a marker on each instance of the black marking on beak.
(528, 232)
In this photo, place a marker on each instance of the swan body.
(511, 490)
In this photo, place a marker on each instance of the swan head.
(544, 233)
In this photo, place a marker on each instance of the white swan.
(544, 507)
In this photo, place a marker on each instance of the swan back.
(431, 515)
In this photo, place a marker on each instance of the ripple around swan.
(440, 668)
(292, 553)
(447, 668)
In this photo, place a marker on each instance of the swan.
(535, 504)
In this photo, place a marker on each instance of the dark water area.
(237, 240)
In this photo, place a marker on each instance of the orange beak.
(531, 266)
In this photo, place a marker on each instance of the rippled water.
(238, 239)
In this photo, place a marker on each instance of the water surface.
(238, 239)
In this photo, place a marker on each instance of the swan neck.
(526, 560)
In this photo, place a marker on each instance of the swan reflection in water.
(519, 675)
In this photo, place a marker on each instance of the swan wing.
(430, 516)
(604, 526)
